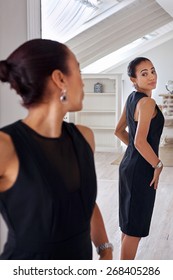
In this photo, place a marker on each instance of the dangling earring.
(63, 96)
(135, 85)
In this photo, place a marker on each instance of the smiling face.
(146, 77)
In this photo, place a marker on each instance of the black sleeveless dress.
(136, 197)
(49, 207)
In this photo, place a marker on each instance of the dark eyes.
(144, 74)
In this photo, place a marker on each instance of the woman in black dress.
(47, 172)
(140, 168)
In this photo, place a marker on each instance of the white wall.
(162, 59)
(13, 32)
(19, 21)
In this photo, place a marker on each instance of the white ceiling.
(167, 5)
(98, 33)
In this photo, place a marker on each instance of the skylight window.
(63, 20)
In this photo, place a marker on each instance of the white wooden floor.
(159, 244)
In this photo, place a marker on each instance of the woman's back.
(48, 210)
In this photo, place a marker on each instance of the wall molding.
(33, 19)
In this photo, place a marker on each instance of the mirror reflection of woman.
(141, 166)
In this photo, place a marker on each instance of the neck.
(148, 93)
(45, 120)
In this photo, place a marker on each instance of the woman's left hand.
(155, 179)
(106, 254)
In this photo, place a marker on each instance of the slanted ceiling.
(135, 20)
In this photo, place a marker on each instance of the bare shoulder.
(145, 110)
(147, 101)
(146, 105)
(4, 141)
(6, 150)
(87, 134)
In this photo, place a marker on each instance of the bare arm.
(88, 135)
(5, 152)
(8, 162)
(98, 231)
(120, 130)
(145, 112)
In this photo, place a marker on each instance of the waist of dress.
(76, 242)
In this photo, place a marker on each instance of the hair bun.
(4, 71)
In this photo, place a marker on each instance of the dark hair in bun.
(28, 67)
(4, 71)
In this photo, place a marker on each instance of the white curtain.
(61, 19)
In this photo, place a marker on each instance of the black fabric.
(136, 197)
(48, 209)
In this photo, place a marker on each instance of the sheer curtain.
(61, 20)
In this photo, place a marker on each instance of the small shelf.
(167, 104)
(167, 110)
(102, 110)
(169, 117)
(166, 95)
